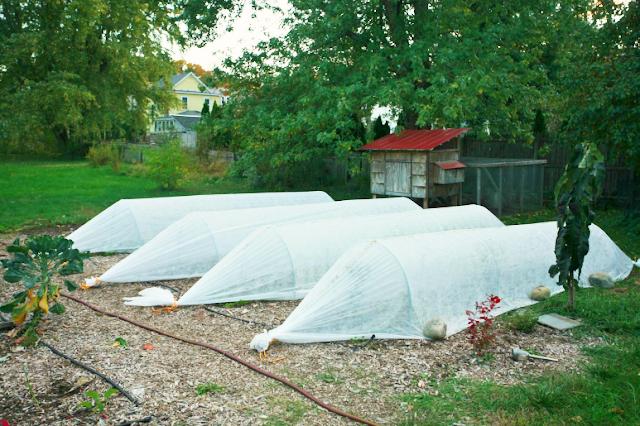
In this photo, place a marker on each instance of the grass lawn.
(607, 389)
(48, 193)
(34, 194)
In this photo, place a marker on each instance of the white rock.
(601, 279)
(435, 329)
(540, 293)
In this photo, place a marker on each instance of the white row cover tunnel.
(391, 287)
(194, 244)
(283, 262)
(128, 224)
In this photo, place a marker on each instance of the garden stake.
(93, 371)
(522, 355)
(229, 355)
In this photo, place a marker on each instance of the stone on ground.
(558, 322)
(540, 293)
(601, 279)
(435, 329)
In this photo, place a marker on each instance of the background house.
(181, 119)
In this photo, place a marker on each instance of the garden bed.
(366, 379)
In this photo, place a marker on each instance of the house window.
(206, 101)
(185, 102)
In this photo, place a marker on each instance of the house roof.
(414, 140)
(177, 78)
(189, 113)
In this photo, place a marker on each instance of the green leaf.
(9, 306)
(110, 392)
(122, 342)
(57, 308)
(70, 285)
(13, 275)
(94, 395)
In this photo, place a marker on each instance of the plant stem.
(29, 387)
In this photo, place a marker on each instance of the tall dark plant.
(575, 195)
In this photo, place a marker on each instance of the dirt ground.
(38, 387)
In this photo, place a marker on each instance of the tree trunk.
(571, 299)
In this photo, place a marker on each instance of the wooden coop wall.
(409, 173)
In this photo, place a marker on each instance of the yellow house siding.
(195, 101)
(188, 83)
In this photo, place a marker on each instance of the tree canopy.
(497, 67)
(76, 71)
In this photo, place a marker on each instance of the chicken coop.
(504, 185)
(422, 164)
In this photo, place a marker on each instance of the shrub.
(168, 165)
(36, 263)
(103, 154)
(480, 323)
(524, 321)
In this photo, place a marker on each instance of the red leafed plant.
(480, 322)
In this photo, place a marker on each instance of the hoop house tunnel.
(283, 262)
(392, 287)
(194, 244)
(128, 224)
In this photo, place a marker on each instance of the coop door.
(398, 178)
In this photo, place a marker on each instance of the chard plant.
(37, 262)
(575, 196)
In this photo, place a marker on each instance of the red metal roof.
(413, 140)
(448, 165)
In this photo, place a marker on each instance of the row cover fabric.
(194, 244)
(282, 262)
(129, 223)
(391, 287)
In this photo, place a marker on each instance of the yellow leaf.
(19, 318)
(43, 304)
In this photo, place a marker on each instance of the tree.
(183, 66)
(91, 66)
(575, 195)
(205, 111)
(600, 79)
(488, 65)
(380, 129)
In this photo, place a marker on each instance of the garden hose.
(92, 371)
(229, 355)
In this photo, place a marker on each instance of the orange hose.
(229, 355)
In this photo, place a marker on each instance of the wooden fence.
(620, 185)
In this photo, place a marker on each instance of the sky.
(250, 28)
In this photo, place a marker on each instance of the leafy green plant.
(575, 195)
(36, 263)
(120, 342)
(328, 377)
(97, 402)
(168, 165)
(524, 321)
(103, 154)
(205, 388)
